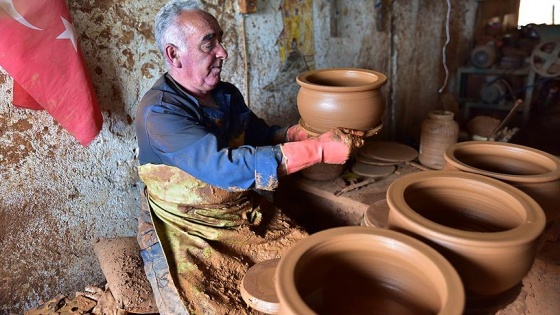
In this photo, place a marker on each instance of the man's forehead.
(201, 24)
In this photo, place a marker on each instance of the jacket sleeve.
(179, 138)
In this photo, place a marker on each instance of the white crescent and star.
(69, 31)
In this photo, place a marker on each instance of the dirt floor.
(127, 290)
(541, 287)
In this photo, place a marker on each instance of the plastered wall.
(57, 196)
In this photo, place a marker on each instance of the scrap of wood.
(355, 186)
(122, 265)
(418, 166)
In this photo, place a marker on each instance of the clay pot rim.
(378, 79)
(441, 113)
(453, 300)
(481, 147)
(531, 228)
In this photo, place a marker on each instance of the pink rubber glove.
(297, 133)
(333, 147)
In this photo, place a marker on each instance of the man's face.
(200, 62)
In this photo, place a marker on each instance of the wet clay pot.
(486, 228)
(341, 97)
(365, 270)
(535, 172)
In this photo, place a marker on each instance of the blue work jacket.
(229, 147)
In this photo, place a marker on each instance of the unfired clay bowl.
(341, 97)
(486, 228)
(535, 172)
(365, 270)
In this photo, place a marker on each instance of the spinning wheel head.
(545, 59)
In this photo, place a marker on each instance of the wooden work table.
(316, 206)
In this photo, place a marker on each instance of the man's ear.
(172, 55)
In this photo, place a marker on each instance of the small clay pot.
(535, 172)
(365, 270)
(438, 131)
(486, 228)
(341, 97)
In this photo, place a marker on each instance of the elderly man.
(203, 153)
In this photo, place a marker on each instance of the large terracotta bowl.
(365, 270)
(341, 97)
(486, 228)
(535, 172)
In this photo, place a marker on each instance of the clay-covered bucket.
(341, 97)
(364, 270)
(486, 228)
(535, 172)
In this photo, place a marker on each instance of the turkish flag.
(39, 49)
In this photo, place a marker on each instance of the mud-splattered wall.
(57, 196)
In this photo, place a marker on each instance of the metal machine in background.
(516, 65)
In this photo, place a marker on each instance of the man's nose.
(222, 52)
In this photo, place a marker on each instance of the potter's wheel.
(257, 287)
(371, 170)
(388, 151)
(370, 160)
(367, 133)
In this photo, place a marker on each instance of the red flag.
(39, 49)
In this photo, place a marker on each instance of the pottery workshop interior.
(447, 202)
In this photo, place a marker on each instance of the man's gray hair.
(166, 30)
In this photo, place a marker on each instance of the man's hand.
(332, 147)
(297, 133)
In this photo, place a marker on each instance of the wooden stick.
(509, 115)
(418, 166)
(355, 186)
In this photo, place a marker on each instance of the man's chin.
(213, 81)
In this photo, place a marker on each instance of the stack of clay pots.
(339, 98)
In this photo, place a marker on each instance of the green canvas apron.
(210, 236)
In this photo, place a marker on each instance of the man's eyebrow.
(211, 36)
